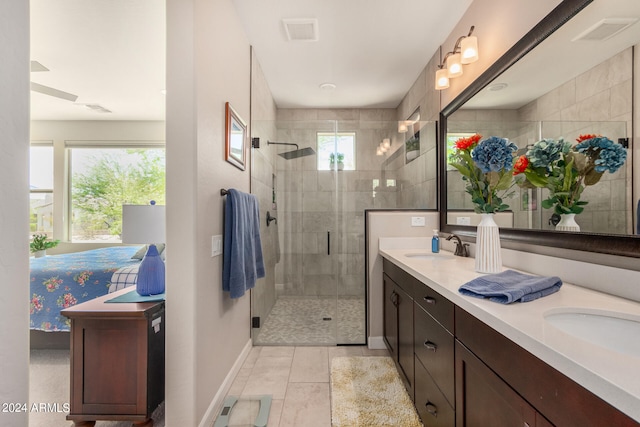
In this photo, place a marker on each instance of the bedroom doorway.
(92, 107)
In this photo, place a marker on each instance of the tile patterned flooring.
(300, 321)
(297, 378)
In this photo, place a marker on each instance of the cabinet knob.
(432, 409)
(430, 346)
(430, 300)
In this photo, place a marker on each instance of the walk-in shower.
(314, 292)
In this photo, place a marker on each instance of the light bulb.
(386, 143)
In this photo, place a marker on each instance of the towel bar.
(224, 192)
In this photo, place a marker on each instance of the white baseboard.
(216, 404)
(377, 343)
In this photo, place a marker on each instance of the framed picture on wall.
(235, 137)
(412, 144)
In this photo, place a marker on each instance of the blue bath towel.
(242, 257)
(510, 286)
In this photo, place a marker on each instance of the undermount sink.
(429, 255)
(615, 331)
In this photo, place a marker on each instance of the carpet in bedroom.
(49, 383)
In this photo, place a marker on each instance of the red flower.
(521, 165)
(469, 142)
(585, 137)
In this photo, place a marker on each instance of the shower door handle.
(328, 243)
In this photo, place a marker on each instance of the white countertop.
(613, 376)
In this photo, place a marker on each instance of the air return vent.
(305, 30)
(605, 29)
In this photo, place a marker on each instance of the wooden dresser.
(117, 360)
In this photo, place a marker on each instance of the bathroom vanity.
(471, 362)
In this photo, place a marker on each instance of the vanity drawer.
(403, 279)
(436, 305)
(432, 406)
(433, 346)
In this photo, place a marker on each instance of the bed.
(60, 281)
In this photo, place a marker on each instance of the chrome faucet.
(461, 248)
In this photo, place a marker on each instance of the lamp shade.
(469, 50)
(146, 224)
(442, 79)
(143, 224)
(454, 66)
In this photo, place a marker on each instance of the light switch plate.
(463, 220)
(417, 221)
(216, 245)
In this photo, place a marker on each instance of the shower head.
(298, 152)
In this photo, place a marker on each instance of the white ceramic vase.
(568, 223)
(40, 254)
(488, 256)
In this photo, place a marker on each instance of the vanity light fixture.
(402, 127)
(465, 51)
(383, 147)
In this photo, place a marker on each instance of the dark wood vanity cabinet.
(488, 363)
(464, 373)
(398, 329)
(484, 399)
(434, 355)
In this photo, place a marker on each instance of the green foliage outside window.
(108, 178)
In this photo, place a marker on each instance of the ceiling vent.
(605, 29)
(301, 30)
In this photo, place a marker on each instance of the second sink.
(615, 331)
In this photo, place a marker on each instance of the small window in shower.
(336, 151)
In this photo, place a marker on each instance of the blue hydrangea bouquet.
(486, 166)
(565, 169)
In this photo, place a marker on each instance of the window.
(335, 148)
(41, 189)
(105, 178)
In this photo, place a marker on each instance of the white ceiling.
(112, 52)
(108, 52)
(372, 50)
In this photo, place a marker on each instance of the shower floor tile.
(303, 321)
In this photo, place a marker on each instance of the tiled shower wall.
(321, 210)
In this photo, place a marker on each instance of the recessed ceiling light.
(327, 86)
(497, 86)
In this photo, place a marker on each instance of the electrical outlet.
(216, 245)
(463, 220)
(417, 221)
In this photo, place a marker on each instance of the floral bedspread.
(60, 281)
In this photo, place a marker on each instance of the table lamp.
(146, 224)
